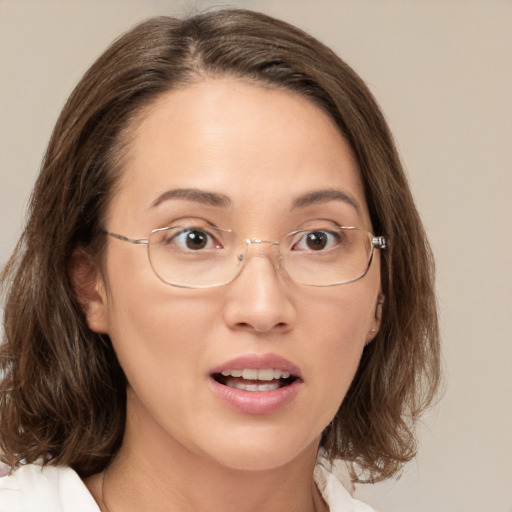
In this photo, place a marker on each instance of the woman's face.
(261, 151)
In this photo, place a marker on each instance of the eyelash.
(188, 231)
(312, 235)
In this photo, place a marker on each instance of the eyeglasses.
(204, 256)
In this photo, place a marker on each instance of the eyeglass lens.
(199, 257)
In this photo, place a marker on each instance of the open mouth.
(255, 380)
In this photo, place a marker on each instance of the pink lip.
(257, 402)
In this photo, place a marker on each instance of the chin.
(262, 452)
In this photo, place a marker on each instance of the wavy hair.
(63, 393)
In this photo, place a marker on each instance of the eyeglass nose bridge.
(243, 257)
(250, 241)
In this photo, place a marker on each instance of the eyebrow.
(194, 194)
(223, 201)
(325, 196)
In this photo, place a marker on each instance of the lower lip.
(256, 402)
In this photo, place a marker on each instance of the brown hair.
(62, 396)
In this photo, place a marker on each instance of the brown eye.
(196, 239)
(316, 240)
(193, 239)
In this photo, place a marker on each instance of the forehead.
(256, 145)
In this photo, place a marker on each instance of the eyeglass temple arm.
(138, 241)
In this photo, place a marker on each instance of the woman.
(223, 286)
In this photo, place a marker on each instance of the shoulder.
(329, 480)
(50, 489)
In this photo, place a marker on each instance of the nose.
(260, 299)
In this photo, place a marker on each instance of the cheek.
(152, 325)
(343, 317)
(337, 333)
(158, 323)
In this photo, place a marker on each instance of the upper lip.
(258, 362)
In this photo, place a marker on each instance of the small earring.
(371, 336)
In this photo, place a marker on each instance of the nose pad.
(260, 249)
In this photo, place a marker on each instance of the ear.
(90, 291)
(376, 321)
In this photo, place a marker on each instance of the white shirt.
(59, 489)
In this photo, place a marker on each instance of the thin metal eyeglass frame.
(377, 242)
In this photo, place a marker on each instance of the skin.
(184, 449)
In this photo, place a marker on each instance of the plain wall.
(442, 71)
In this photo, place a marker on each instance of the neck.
(155, 472)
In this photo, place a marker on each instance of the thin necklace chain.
(105, 506)
(103, 490)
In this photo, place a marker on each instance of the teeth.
(250, 374)
(266, 374)
(254, 387)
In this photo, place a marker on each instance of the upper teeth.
(251, 374)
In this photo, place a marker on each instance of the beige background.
(442, 71)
